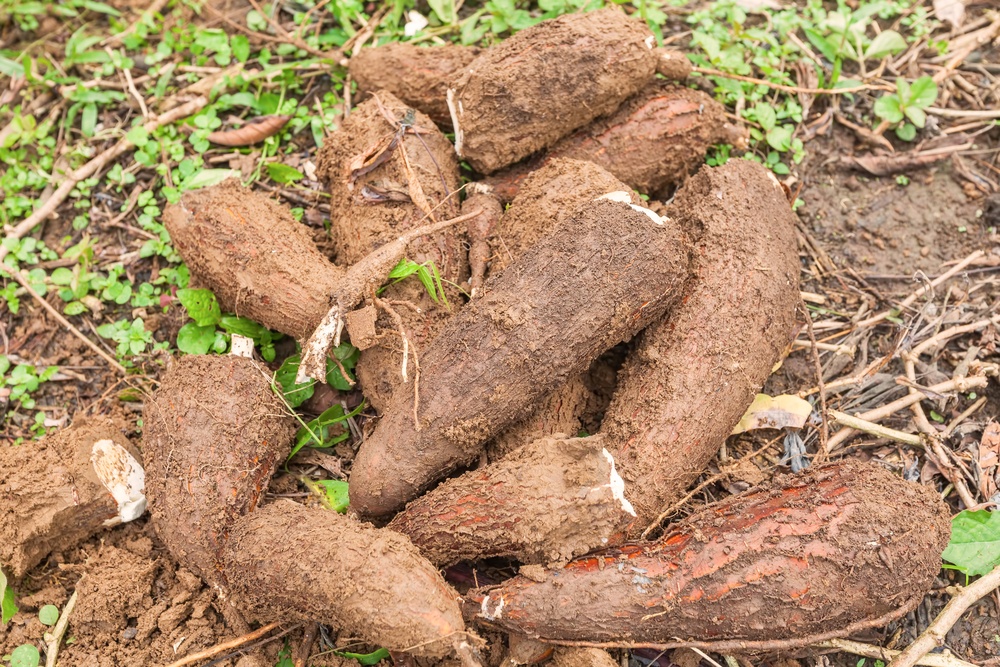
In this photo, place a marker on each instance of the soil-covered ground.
(866, 243)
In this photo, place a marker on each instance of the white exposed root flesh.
(496, 613)
(617, 485)
(623, 197)
(455, 112)
(122, 476)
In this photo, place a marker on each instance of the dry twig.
(224, 646)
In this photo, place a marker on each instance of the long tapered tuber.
(597, 279)
(821, 553)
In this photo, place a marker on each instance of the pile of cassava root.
(548, 261)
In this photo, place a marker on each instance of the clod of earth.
(652, 143)
(50, 495)
(597, 279)
(679, 394)
(835, 549)
(531, 90)
(404, 186)
(417, 75)
(290, 561)
(546, 502)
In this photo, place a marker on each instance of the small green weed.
(906, 109)
(974, 548)
(428, 275)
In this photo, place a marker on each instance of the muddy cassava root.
(544, 82)
(817, 554)
(214, 433)
(684, 386)
(597, 279)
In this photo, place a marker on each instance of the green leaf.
(201, 306)
(334, 494)
(48, 614)
(295, 394)
(365, 658)
(282, 173)
(445, 10)
(822, 44)
(348, 356)
(975, 542)
(138, 135)
(923, 92)
(906, 131)
(316, 433)
(780, 138)
(766, 116)
(11, 68)
(206, 178)
(193, 339)
(885, 44)
(244, 327)
(887, 108)
(25, 655)
(8, 607)
(917, 115)
(241, 47)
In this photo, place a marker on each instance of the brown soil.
(214, 433)
(546, 502)
(582, 657)
(289, 561)
(362, 222)
(597, 279)
(796, 558)
(417, 75)
(258, 260)
(693, 375)
(50, 496)
(544, 82)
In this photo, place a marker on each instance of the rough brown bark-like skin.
(50, 496)
(289, 561)
(597, 279)
(694, 373)
(673, 65)
(359, 225)
(417, 75)
(544, 82)
(838, 545)
(558, 412)
(547, 197)
(652, 143)
(258, 260)
(547, 502)
(214, 432)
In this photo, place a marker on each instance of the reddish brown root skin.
(257, 259)
(653, 142)
(601, 276)
(50, 496)
(586, 64)
(546, 502)
(807, 554)
(290, 561)
(417, 75)
(214, 432)
(693, 374)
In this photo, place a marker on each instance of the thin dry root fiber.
(257, 259)
(373, 209)
(480, 229)
(214, 433)
(817, 553)
(694, 373)
(599, 277)
(290, 561)
(547, 502)
(544, 82)
(652, 143)
(50, 497)
(417, 75)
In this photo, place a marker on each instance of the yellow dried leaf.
(785, 411)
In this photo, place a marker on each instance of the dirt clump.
(372, 208)
(684, 386)
(529, 91)
(417, 75)
(597, 279)
(547, 502)
(214, 433)
(257, 259)
(50, 495)
(287, 560)
(791, 560)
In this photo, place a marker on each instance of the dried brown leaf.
(989, 459)
(254, 131)
(370, 159)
